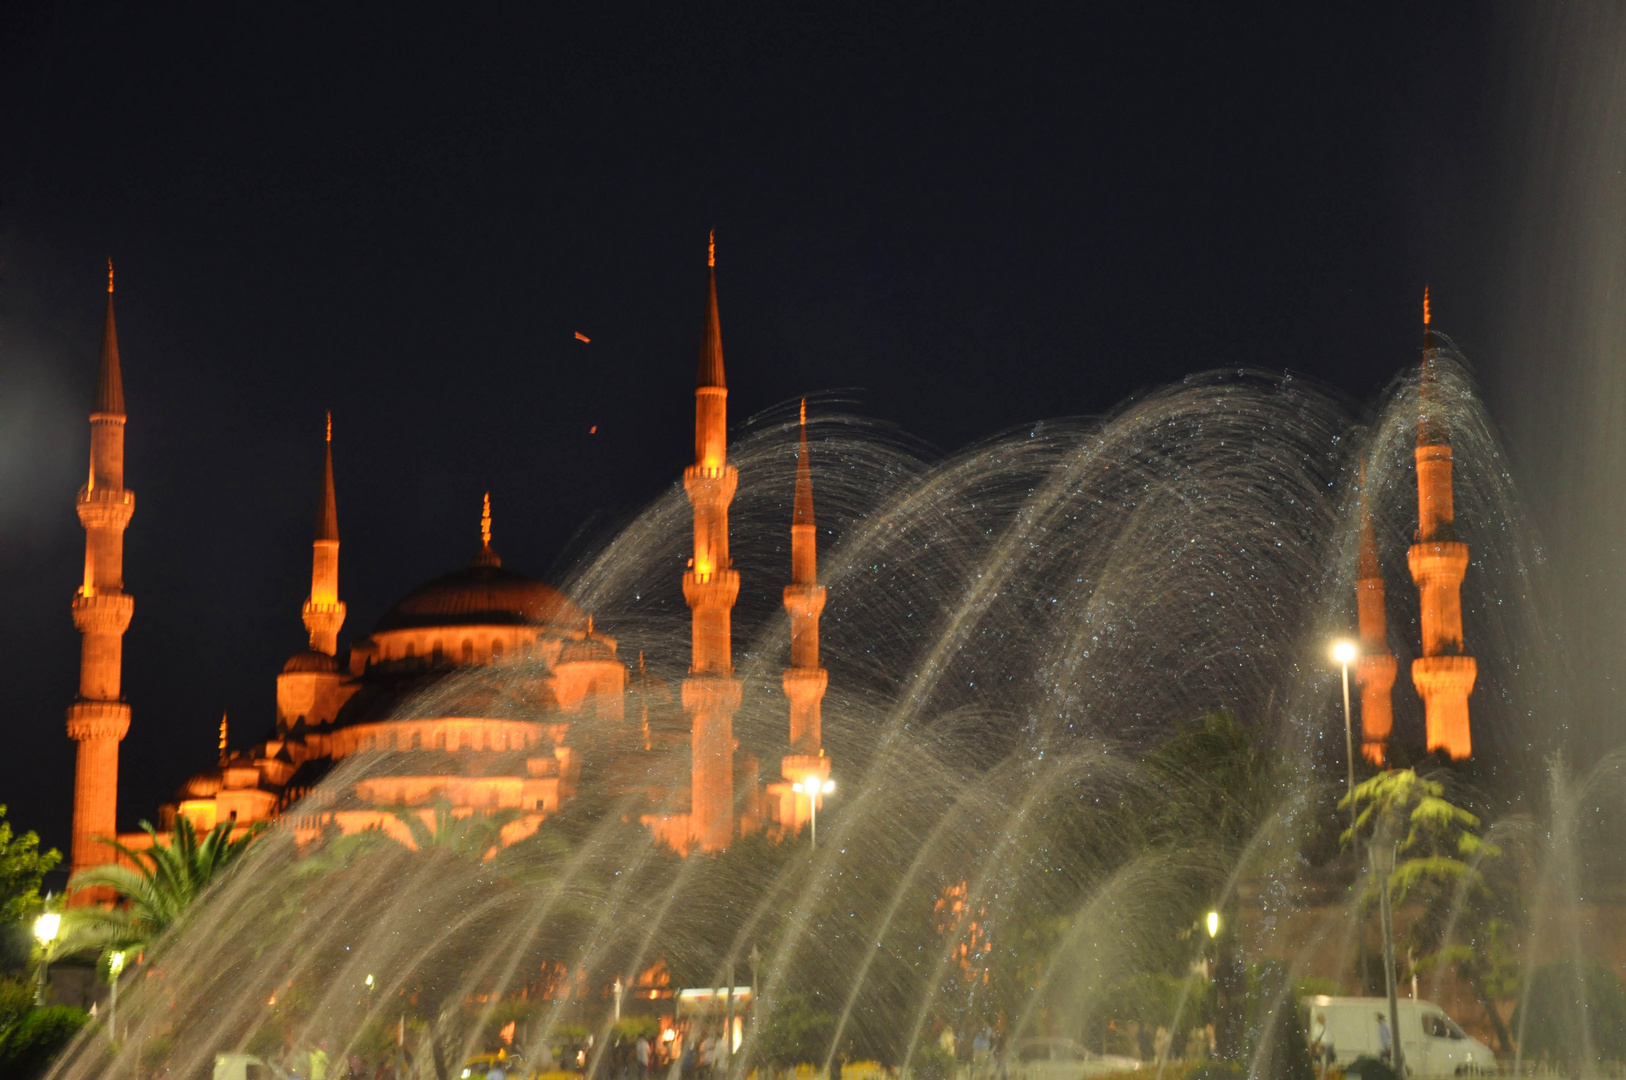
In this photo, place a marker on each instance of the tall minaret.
(99, 718)
(711, 694)
(804, 680)
(1443, 675)
(1376, 672)
(324, 611)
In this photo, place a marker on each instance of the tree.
(1442, 863)
(473, 835)
(154, 886)
(22, 867)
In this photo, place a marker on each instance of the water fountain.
(1010, 630)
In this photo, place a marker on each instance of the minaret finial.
(110, 274)
(485, 521)
(223, 755)
(711, 250)
(330, 425)
(1425, 305)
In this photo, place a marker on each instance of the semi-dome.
(483, 594)
(310, 660)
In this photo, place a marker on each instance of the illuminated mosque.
(465, 750)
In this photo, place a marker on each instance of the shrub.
(35, 1039)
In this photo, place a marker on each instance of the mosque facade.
(511, 741)
(484, 684)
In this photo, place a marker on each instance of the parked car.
(1432, 1043)
(1060, 1059)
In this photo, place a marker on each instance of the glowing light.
(485, 521)
(46, 926)
(711, 250)
(369, 981)
(582, 337)
(1213, 924)
(115, 963)
(110, 275)
(1425, 305)
(330, 426)
(1344, 652)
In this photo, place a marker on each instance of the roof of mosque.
(481, 595)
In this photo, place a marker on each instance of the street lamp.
(1213, 923)
(1383, 862)
(1344, 653)
(45, 928)
(115, 964)
(813, 788)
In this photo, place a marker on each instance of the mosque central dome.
(482, 594)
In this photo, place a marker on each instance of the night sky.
(961, 218)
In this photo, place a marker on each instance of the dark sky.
(968, 217)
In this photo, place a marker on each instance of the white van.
(245, 1067)
(1433, 1043)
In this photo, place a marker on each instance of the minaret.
(1376, 673)
(1443, 675)
(324, 611)
(804, 680)
(99, 718)
(711, 694)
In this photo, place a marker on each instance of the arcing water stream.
(1009, 632)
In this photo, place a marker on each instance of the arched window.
(437, 652)
(411, 650)
(468, 651)
(496, 650)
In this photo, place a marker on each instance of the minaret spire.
(1376, 672)
(804, 681)
(1444, 675)
(486, 556)
(711, 694)
(324, 611)
(99, 717)
(224, 756)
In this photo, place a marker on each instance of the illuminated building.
(534, 682)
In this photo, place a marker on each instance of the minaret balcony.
(102, 612)
(805, 686)
(713, 591)
(1438, 562)
(711, 485)
(105, 507)
(804, 601)
(711, 695)
(1447, 676)
(1376, 669)
(323, 618)
(98, 720)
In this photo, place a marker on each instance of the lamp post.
(1383, 862)
(45, 929)
(1344, 653)
(812, 788)
(115, 965)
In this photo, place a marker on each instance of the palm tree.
(475, 835)
(152, 887)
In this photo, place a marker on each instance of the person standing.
(642, 1049)
(1386, 1049)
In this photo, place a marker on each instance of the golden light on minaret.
(1444, 675)
(99, 717)
(323, 612)
(1376, 670)
(711, 694)
(224, 757)
(485, 521)
(804, 681)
